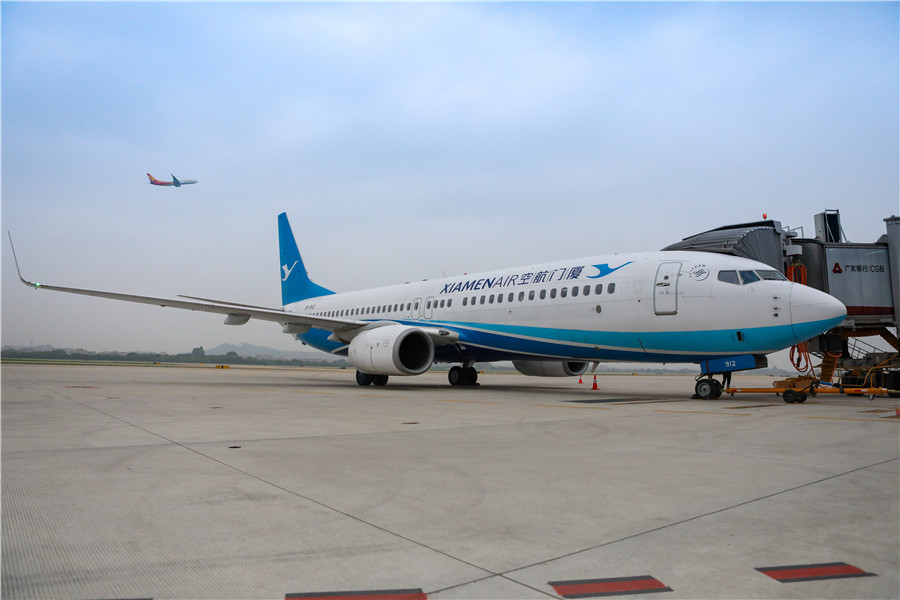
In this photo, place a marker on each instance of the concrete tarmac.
(175, 482)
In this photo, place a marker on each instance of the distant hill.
(252, 350)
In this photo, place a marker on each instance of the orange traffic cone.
(595, 383)
(579, 379)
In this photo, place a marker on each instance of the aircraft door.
(417, 308)
(429, 307)
(665, 292)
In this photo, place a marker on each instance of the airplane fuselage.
(654, 307)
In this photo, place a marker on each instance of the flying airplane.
(551, 319)
(175, 181)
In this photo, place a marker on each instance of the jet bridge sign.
(860, 277)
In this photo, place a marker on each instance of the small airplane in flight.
(175, 181)
(552, 319)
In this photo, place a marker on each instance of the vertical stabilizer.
(295, 283)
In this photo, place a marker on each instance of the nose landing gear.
(709, 388)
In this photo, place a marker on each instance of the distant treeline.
(195, 356)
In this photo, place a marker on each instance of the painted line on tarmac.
(700, 412)
(816, 572)
(881, 420)
(616, 586)
(414, 594)
(570, 406)
(471, 401)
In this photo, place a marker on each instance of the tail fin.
(295, 282)
(152, 180)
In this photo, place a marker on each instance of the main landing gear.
(366, 379)
(464, 375)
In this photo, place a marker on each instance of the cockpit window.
(773, 275)
(749, 277)
(729, 277)
(745, 277)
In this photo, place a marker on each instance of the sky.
(410, 141)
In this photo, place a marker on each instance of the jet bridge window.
(729, 277)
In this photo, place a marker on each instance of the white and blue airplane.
(552, 319)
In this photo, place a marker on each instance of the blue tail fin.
(295, 283)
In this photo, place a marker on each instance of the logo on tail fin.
(287, 271)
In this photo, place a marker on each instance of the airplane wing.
(238, 314)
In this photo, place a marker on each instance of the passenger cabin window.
(729, 277)
(611, 288)
(749, 277)
(598, 289)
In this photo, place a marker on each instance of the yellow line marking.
(699, 412)
(573, 406)
(882, 419)
(471, 401)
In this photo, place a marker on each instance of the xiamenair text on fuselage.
(551, 319)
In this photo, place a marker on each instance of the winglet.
(16, 260)
(295, 282)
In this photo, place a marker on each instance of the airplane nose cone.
(813, 312)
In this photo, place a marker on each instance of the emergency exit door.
(665, 292)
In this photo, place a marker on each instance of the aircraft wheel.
(789, 396)
(363, 378)
(456, 376)
(718, 388)
(471, 376)
(705, 388)
(379, 380)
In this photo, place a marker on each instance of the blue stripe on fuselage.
(510, 342)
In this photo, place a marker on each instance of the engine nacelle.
(550, 368)
(392, 350)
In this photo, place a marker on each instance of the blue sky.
(408, 141)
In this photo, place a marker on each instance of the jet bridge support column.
(893, 237)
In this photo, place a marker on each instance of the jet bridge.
(864, 276)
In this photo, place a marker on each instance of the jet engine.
(550, 368)
(392, 350)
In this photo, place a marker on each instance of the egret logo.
(287, 271)
(699, 272)
(605, 270)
